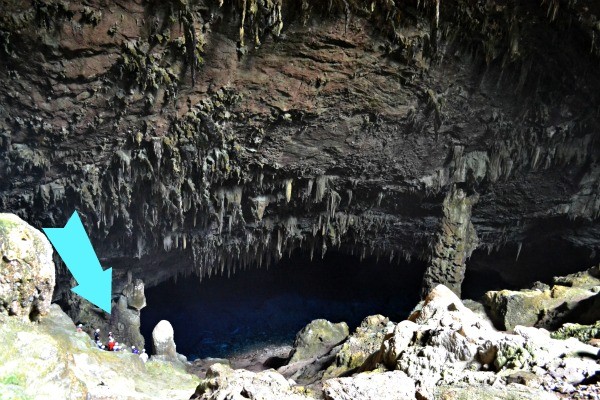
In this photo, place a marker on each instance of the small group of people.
(113, 345)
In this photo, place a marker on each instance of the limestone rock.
(163, 340)
(456, 240)
(445, 344)
(549, 308)
(457, 346)
(162, 157)
(583, 333)
(317, 338)
(393, 385)
(365, 342)
(134, 292)
(393, 347)
(26, 269)
(442, 307)
(125, 324)
(222, 382)
(487, 392)
(50, 360)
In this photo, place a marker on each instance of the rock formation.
(163, 342)
(43, 355)
(443, 350)
(216, 134)
(199, 137)
(125, 317)
(50, 360)
(26, 269)
(318, 338)
(456, 240)
(573, 298)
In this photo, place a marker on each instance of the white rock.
(394, 385)
(394, 346)
(163, 341)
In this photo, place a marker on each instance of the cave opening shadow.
(257, 307)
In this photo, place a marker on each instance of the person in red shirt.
(111, 345)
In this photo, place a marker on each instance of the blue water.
(222, 317)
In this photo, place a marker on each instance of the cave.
(244, 167)
(225, 316)
(228, 315)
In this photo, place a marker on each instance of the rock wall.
(27, 274)
(201, 136)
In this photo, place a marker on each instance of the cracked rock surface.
(200, 136)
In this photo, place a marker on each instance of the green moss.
(13, 379)
(581, 332)
(513, 357)
(91, 16)
(6, 224)
(144, 70)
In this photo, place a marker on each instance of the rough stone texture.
(134, 292)
(26, 269)
(125, 316)
(573, 298)
(222, 382)
(361, 345)
(446, 344)
(315, 348)
(456, 241)
(487, 392)
(50, 360)
(226, 133)
(163, 341)
(393, 385)
(318, 338)
(392, 347)
(584, 333)
(124, 319)
(125, 324)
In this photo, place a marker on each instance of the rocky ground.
(446, 349)
(50, 360)
(204, 136)
(443, 351)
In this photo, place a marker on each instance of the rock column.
(455, 241)
(125, 319)
(163, 341)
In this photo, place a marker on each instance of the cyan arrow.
(74, 247)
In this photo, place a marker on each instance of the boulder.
(393, 385)
(26, 269)
(573, 298)
(223, 382)
(487, 392)
(163, 341)
(364, 343)
(318, 338)
(393, 346)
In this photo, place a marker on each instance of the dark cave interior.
(221, 317)
(224, 317)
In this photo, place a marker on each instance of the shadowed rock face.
(27, 273)
(202, 135)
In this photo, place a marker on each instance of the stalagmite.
(456, 240)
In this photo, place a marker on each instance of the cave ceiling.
(208, 135)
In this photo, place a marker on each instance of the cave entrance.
(257, 307)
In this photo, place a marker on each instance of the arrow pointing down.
(74, 247)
